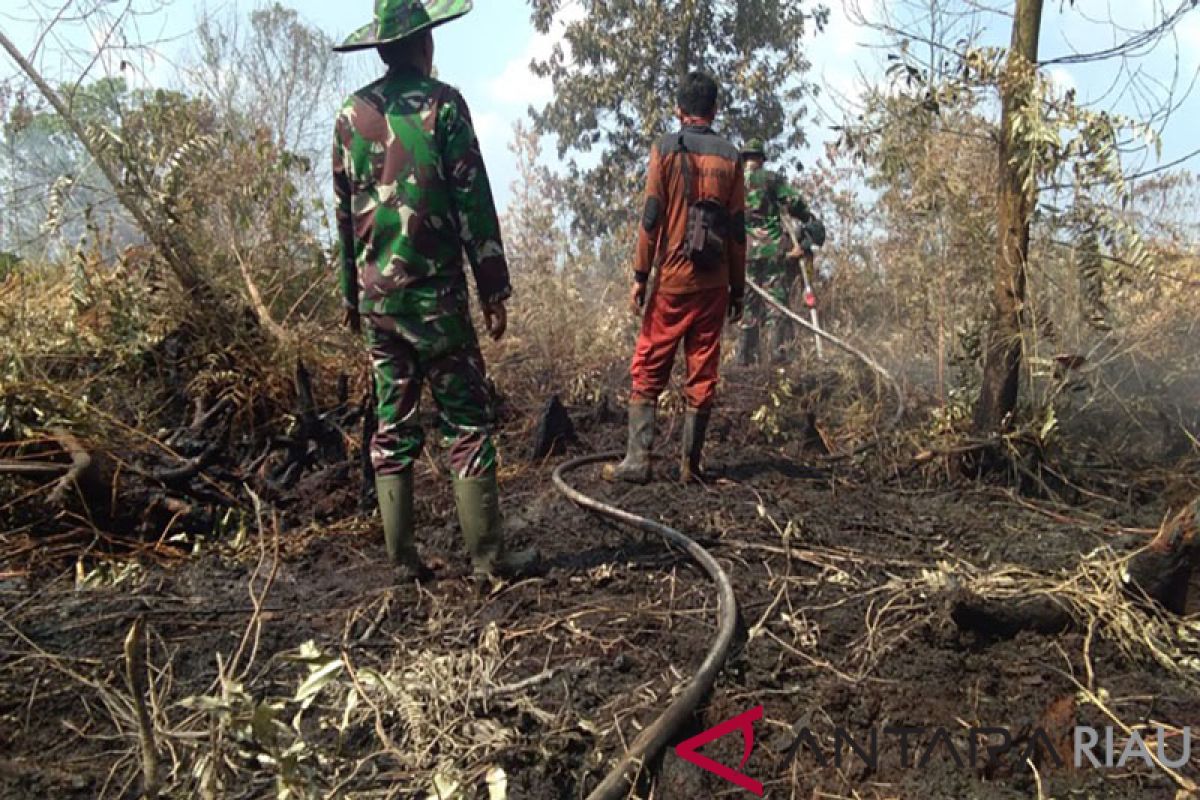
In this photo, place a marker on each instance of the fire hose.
(619, 780)
(617, 783)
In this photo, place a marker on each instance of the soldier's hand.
(637, 297)
(496, 317)
(736, 307)
(352, 320)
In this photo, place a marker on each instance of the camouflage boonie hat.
(755, 147)
(398, 19)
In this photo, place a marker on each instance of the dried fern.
(59, 192)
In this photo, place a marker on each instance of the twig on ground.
(191, 467)
(1037, 778)
(254, 627)
(491, 693)
(12, 466)
(380, 731)
(135, 676)
(757, 628)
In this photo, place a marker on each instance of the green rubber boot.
(695, 426)
(396, 511)
(478, 503)
(636, 466)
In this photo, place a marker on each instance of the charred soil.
(840, 568)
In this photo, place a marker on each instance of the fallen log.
(1159, 574)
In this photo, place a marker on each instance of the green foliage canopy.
(615, 74)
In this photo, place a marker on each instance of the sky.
(486, 55)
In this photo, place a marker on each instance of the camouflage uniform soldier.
(413, 195)
(767, 196)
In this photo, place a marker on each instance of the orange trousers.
(695, 319)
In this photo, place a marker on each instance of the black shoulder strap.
(686, 166)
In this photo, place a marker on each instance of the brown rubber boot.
(478, 502)
(636, 466)
(396, 512)
(695, 426)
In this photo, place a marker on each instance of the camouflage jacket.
(413, 195)
(767, 196)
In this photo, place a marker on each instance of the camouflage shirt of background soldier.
(410, 209)
(767, 196)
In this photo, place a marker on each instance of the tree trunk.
(1002, 364)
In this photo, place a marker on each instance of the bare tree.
(273, 70)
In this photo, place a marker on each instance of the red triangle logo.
(742, 722)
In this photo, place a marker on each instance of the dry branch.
(20, 467)
(78, 474)
(192, 467)
(204, 419)
(135, 676)
(256, 302)
(493, 692)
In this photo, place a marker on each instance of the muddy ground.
(823, 556)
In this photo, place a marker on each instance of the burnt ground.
(824, 557)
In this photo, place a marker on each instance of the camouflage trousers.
(444, 350)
